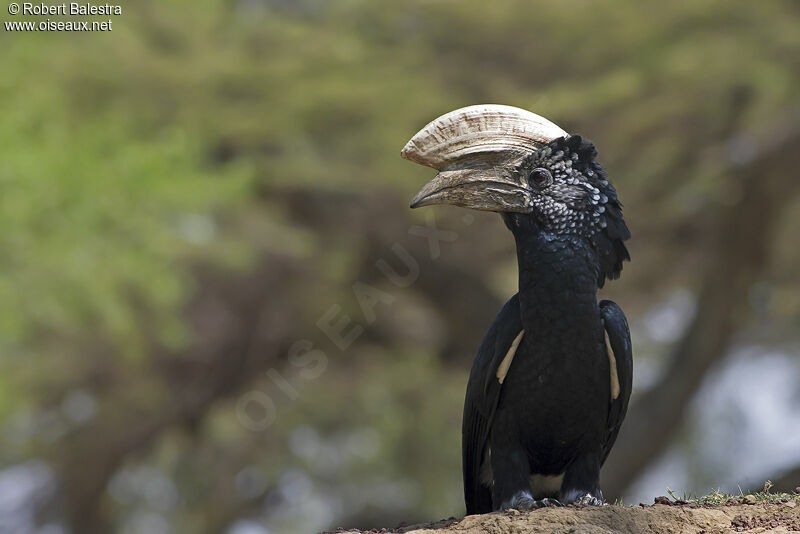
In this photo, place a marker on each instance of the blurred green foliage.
(226, 135)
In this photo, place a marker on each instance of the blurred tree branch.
(741, 242)
(231, 343)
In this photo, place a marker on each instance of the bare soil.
(671, 518)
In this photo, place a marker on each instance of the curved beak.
(480, 189)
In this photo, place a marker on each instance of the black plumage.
(546, 395)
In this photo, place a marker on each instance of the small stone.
(750, 499)
(512, 511)
(790, 504)
(662, 500)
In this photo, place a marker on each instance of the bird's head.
(509, 160)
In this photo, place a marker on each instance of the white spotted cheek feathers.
(575, 203)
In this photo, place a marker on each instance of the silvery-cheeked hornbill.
(546, 395)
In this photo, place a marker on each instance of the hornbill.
(545, 397)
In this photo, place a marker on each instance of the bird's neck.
(557, 279)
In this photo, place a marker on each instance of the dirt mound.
(782, 517)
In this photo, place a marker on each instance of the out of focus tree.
(186, 198)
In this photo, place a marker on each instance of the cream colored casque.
(480, 129)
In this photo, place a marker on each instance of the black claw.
(524, 501)
(589, 500)
(548, 502)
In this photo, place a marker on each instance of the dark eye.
(540, 177)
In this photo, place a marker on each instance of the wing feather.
(483, 393)
(619, 337)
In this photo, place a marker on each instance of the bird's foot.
(547, 502)
(589, 500)
(525, 501)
